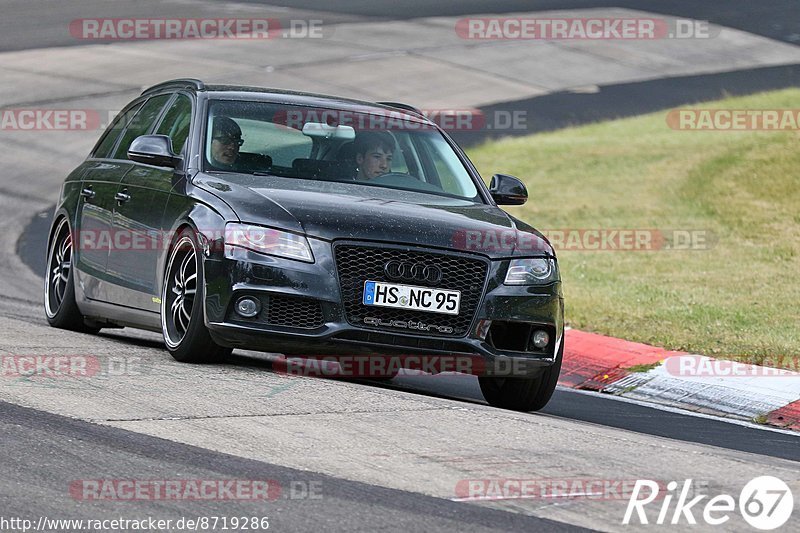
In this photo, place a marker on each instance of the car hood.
(336, 210)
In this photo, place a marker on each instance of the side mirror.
(153, 150)
(508, 190)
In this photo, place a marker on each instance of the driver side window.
(141, 124)
(176, 122)
(109, 139)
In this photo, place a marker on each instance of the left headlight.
(268, 241)
(532, 271)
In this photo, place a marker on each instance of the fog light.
(540, 339)
(247, 307)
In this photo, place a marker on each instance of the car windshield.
(390, 150)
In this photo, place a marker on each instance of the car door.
(138, 215)
(93, 226)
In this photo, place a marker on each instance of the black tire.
(59, 283)
(182, 297)
(523, 394)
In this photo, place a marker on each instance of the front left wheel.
(182, 314)
(523, 394)
(59, 284)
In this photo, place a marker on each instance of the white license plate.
(410, 297)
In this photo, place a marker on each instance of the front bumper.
(318, 324)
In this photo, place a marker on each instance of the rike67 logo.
(766, 503)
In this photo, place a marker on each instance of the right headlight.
(268, 241)
(531, 271)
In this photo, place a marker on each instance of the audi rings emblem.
(418, 272)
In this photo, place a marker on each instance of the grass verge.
(736, 296)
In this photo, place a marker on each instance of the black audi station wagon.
(235, 217)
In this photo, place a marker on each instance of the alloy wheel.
(179, 291)
(59, 268)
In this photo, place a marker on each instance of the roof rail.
(405, 107)
(180, 82)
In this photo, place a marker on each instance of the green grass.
(760, 419)
(642, 368)
(739, 298)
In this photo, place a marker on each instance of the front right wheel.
(182, 314)
(523, 394)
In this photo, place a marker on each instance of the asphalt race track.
(348, 455)
(40, 23)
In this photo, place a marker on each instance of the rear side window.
(109, 139)
(141, 124)
(176, 123)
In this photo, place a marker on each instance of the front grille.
(356, 264)
(287, 311)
